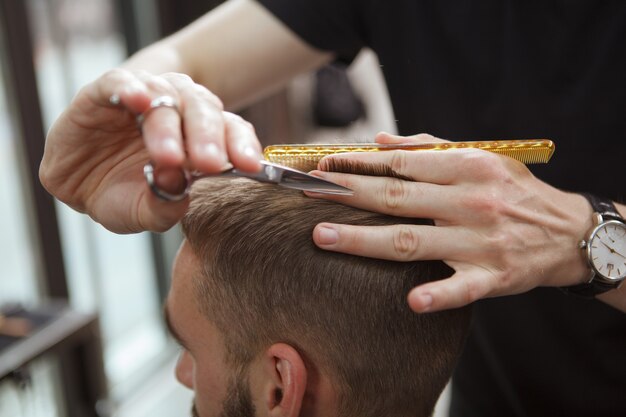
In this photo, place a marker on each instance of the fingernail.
(251, 153)
(327, 236)
(248, 151)
(423, 302)
(134, 88)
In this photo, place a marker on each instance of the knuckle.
(233, 117)
(399, 161)
(424, 137)
(504, 249)
(353, 238)
(505, 280)
(115, 74)
(197, 93)
(237, 119)
(216, 101)
(44, 174)
(159, 84)
(142, 73)
(501, 239)
(483, 165)
(211, 127)
(405, 243)
(472, 291)
(487, 205)
(394, 193)
(208, 127)
(178, 77)
(248, 125)
(209, 96)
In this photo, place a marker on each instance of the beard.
(238, 402)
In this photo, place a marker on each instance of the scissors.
(271, 173)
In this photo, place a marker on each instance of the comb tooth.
(526, 156)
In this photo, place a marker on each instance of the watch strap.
(603, 206)
(589, 289)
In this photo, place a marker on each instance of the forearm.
(159, 58)
(239, 51)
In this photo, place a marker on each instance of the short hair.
(264, 281)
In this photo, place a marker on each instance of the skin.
(501, 229)
(278, 381)
(94, 153)
(498, 226)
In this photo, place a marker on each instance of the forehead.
(183, 304)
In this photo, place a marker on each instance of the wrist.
(583, 214)
(603, 248)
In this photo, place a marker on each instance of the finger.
(384, 137)
(119, 87)
(436, 167)
(244, 149)
(459, 290)
(161, 127)
(397, 242)
(134, 209)
(203, 124)
(392, 196)
(170, 180)
(134, 92)
(158, 215)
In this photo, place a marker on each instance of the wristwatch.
(604, 248)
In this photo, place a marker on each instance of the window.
(18, 256)
(74, 42)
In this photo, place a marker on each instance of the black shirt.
(505, 69)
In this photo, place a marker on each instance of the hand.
(501, 229)
(95, 152)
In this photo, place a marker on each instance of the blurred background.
(95, 343)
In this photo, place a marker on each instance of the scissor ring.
(148, 173)
(162, 101)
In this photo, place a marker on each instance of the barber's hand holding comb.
(501, 229)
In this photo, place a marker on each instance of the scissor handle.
(148, 172)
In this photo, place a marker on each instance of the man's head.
(275, 324)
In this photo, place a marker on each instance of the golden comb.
(305, 157)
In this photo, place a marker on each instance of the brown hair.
(265, 282)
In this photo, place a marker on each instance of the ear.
(285, 382)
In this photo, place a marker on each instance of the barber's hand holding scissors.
(96, 150)
(501, 229)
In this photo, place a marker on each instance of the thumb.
(459, 290)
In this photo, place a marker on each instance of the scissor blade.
(306, 182)
(294, 179)
(291, 178)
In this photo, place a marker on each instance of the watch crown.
(582, 244)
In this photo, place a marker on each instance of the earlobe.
(287, 383)
(184, 369)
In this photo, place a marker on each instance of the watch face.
(607, 250)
